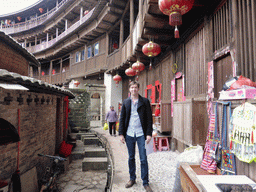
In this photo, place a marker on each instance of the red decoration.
(138, 67)
(86, 12)
(130, 72)
(115, 46)
(157, 111)
(19, 18)
(117, 78)
(76, 83)
(175, 9)
(53, 72)
(151, 49)
(43, 73)
(41, 10)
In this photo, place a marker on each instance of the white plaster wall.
(113, 93)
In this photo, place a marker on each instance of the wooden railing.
(29, 24)
(50, 43)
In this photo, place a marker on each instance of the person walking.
(135, 125)
(112, 118)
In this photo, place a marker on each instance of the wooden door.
(222, 72)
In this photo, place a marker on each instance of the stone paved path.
(162, 169)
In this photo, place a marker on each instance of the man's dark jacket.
(145, 114)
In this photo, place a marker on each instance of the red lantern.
(115, 46)
(76, 83)
(175, 9)
(138, 67)
(86, 12)
(19, 18)
(130, 72)
(41, 10)
(117, 78)
(151, 49)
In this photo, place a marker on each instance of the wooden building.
(92, 42)
(37, 111)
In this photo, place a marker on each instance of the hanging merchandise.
(228, 163)
(242, 132)
(215, 137)
(208, 163)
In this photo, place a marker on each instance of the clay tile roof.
(33, 84)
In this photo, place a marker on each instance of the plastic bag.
(117, 126)
(105, 127)
(242, 81)
(191, 155)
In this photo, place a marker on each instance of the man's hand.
(122, 139)
(148, 139)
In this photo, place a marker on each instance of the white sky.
(10, 6)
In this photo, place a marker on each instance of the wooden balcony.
(32, 23)
(70, 30)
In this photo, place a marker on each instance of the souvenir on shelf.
(242, 132)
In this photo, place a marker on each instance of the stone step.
(91, 141)
(92, 163)
(77, 155)
(80, 134)
(95, 152)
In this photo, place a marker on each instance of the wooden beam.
(107, 23)
(142, 41)
(160, 20)
(158, 32)
(114, 14)
(116, 6)
(153, 2)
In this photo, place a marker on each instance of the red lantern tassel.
(231, 144)
(176, 32)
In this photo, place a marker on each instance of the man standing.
(135, 125)
(111, 117)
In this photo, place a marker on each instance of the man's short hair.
(134, 83)
(111, 106)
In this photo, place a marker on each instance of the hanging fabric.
(228, 163)
(208, 163)
(215, 145)
(242, 132)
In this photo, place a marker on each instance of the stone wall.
(12, 61)
(78, 116)
(38, 128)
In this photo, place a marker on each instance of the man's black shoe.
(130, 184)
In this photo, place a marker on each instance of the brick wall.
(12, 61)
(37, 129)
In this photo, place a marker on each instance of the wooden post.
(121, 38)
(131, 22)
(50, 73)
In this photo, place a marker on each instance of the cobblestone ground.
(75, 180)
(162, 169)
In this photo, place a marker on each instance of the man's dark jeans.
(130, 142)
